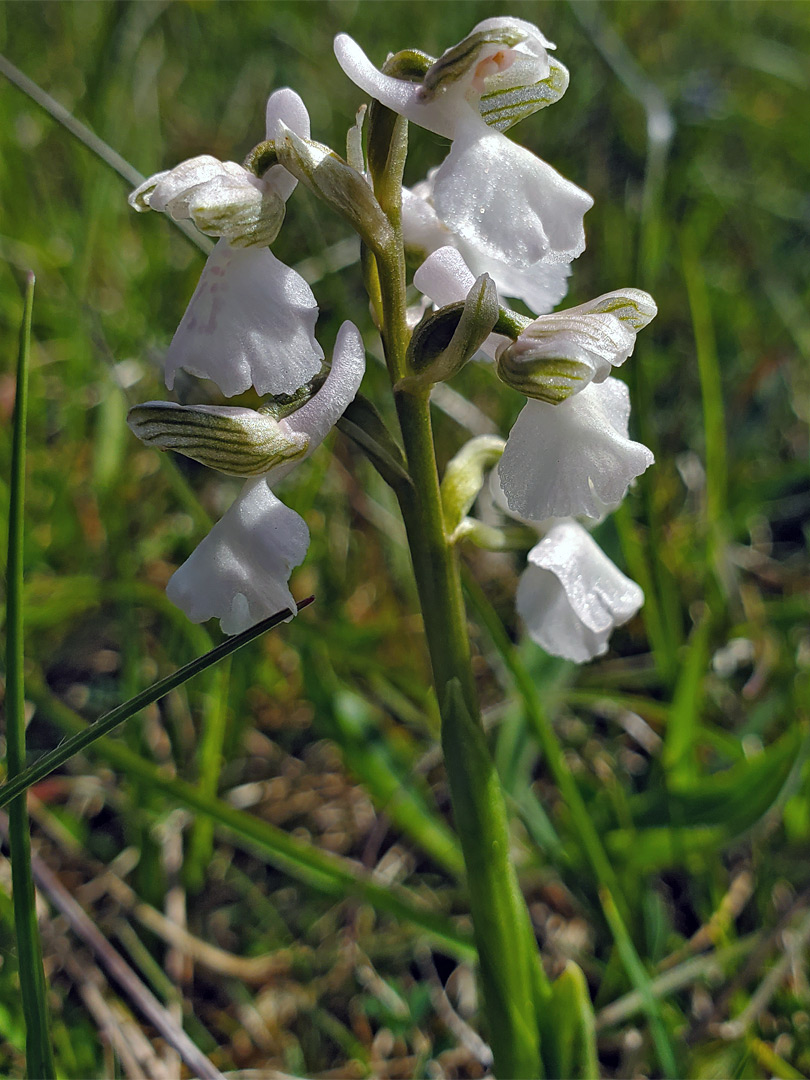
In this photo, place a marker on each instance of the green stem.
(39, 1058)
(547, 738)
(515, 988)
(514, 984)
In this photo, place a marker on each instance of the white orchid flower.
(240, 572)
(251, 320)
(223, 198)
(491, 193)
(571, 596)
(574, 458)
(540, 286)
(568, 452)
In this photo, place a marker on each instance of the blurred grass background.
(687, 122)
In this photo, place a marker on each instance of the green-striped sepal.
(503, 108)
(239, 442)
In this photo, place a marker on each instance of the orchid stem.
(515, 988)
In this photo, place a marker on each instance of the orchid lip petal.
(573, 458)
(541, 286)
(250, 322)
(571, 596)
(239, 573)
(507, 202)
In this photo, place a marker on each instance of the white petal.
(540, 286)
(286, 106)
(421, 227)
(239, 573)
(164, 186)
(320, 414)
(250, 321)
(403, 97)
(573, 458)
(505, 201)
(571, 596)
(444, 276)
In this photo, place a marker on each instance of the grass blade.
(92, 141)
(711, 391)
(638, 976)
(209, 762)
(105, 724)
(330, 874)
(39, 1058)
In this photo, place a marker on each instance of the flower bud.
(339, 185)
(464, 477)
(239, 442)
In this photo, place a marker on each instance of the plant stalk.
(515, 987)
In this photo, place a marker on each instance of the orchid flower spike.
(571, 596)
(240, 572)
(491, 193)
(251, 320)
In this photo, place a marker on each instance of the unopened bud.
(239, 442)
(464, 477)
(338, 184)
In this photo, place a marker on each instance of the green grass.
(316, 760)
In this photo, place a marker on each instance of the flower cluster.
(250, 322)
(493, 207)
(492, 216)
